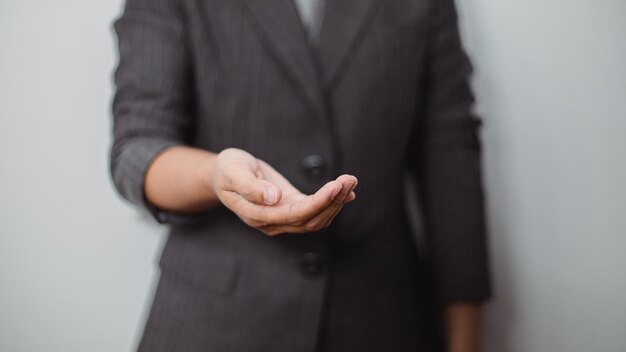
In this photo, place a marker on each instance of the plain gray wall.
(77, 265)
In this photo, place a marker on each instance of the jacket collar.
(282, 32)
(343, 24)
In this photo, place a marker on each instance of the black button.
(311, 263)
(314, 167)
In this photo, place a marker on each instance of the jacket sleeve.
(448, 166)
(152, 107)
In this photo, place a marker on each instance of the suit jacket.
(385, 91)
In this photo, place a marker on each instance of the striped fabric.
(383, 93)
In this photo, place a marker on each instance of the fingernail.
(269, 195)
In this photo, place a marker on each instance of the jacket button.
(314, 167)
(311, 263)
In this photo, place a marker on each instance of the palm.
(290, 194)
(245, 189)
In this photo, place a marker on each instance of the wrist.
(205, 173)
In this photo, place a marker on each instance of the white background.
(77, 265)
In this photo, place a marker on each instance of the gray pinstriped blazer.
(385, 92)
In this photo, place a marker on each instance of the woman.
(245, 131)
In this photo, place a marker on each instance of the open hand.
(265, 200)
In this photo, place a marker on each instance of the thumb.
(257, 190)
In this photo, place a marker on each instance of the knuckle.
(271, 232)
(306, 216)
(252, 222)
(297, 220)
(310, 227)
(296, 223)
(248, 193)
(337, 201)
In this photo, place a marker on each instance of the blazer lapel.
(281, 30)
(343, 22)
